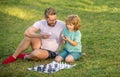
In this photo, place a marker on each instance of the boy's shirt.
(75, 36)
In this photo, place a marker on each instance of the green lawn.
(100, 35)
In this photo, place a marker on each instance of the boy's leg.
(62, 55)
(69, 59)
(72, 57)
(58, 58)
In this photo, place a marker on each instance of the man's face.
(51, 20)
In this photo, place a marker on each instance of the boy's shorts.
(65, 53)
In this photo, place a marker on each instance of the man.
(46, 44)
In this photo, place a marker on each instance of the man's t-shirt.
(53, 43)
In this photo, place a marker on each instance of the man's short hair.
(50, 11)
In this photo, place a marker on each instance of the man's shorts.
(65, 53)
(51, 54)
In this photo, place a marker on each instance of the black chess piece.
(50, 69)
(53, 70)
(39, 68)
(56, 65)
(44, 67)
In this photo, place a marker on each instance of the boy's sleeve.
(63, 32)
(77, 36)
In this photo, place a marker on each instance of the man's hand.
(45, 36)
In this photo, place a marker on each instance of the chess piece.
(44, 67)
(39, 68)
(63, 36)
(55, 65)
(50, 69)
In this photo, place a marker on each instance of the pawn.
(50, 69)
(38, 68)
(44, 67)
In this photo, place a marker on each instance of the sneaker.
(21, 56)
(10, 59)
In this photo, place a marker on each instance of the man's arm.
(31, 32)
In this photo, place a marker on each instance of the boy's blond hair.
(75, 20)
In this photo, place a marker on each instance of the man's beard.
(51, 24)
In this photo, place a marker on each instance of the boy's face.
(70, 27)
(51, 20)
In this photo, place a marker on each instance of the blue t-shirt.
(75, 36)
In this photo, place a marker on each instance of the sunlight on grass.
(18, 12)
(90, 6)
(102, 8)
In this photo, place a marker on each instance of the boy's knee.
(58, 59)
(69, 59)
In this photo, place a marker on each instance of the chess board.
(51, 67)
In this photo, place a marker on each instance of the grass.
(100, 35)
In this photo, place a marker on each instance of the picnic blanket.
(51, 67)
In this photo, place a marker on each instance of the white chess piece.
(50, 33)
(62, 65)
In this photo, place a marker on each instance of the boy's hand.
(62, 36)
(66, 38)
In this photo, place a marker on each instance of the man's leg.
(34, 42)
(38, 54)
(26, 42)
